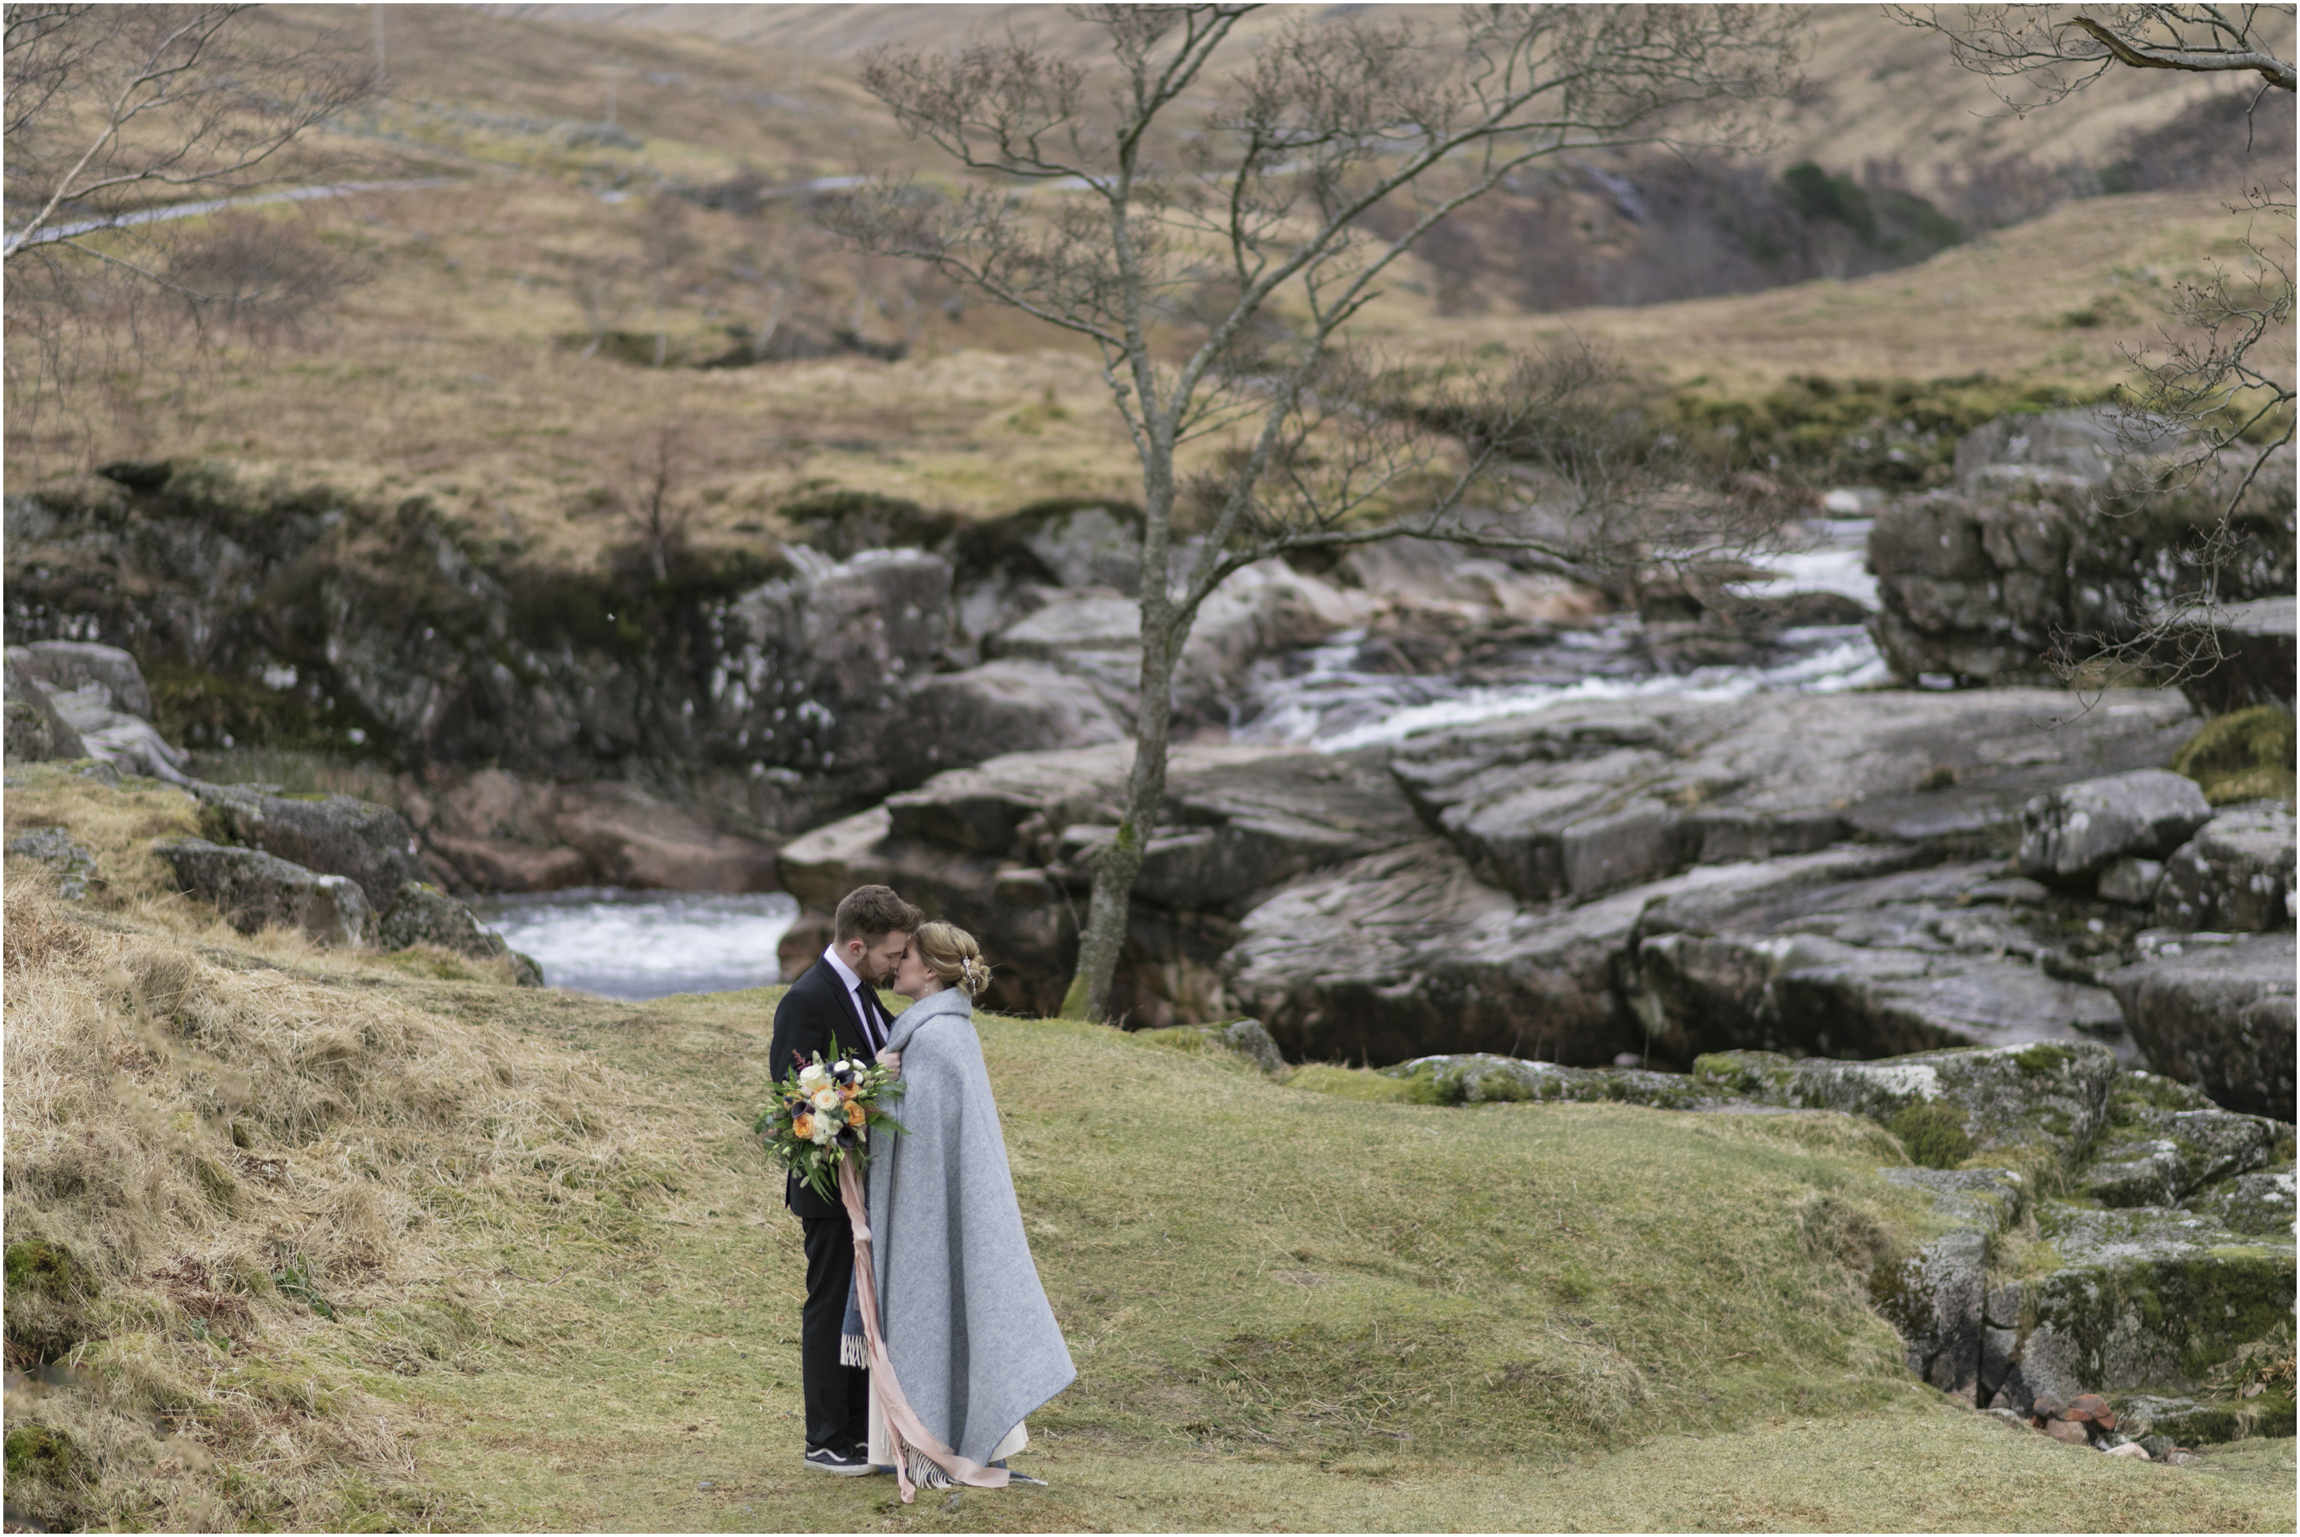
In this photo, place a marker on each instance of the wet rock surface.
(255, 890)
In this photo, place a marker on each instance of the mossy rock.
(1483, 1079)
(1762, 1075)
(2245, 755)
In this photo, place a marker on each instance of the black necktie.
(869, 1018)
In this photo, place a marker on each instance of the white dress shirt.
(863, 1011)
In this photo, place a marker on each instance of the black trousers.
(837, 1397)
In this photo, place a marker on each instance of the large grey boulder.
(1407, 952)
(72, 664)
(814, 678)
(1090, 620)
(2217, 1015)
(255, 890)
(1583, 799)
(111, 735)
(2234, 876)
(1891, 962)
(36, 731)
(334, 834)
(2075, 832)
(957, 719)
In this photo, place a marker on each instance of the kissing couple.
(965, 1324)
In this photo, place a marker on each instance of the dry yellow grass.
(448, 374)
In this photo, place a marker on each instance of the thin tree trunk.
(1120, 860)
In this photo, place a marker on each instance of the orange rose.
(854, 1114)
(803, 1128)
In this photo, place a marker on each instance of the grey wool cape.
(966, 1323)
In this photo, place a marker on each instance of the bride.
(965, 1323)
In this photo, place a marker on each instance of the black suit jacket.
(816, 1020)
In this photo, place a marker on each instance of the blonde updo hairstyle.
(952, 955)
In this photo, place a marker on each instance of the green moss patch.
(2242, 756)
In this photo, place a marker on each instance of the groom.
(831, 1012)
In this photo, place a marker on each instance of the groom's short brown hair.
(869, 911)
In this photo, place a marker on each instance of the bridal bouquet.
(822, 1113)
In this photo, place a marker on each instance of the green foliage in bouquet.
(823, 1113)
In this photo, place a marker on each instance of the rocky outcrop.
(955, 719)
(2046, 535)
(1877, 965)
(2142, 1297)
(2255, 642)
(425, 915)
(1243, 1039)
(1390, 956)
(997, 848)
(334, 835)
(2032, 1306)
(255, 890)
(36, 731)
(2164, 1141)
(74, 863)
(1587, 799)
(2075, 833)
(2219, 1014)
(2234, 876)
(496, 831)
(73, 664)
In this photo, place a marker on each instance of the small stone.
(2086, 1408)
(2158, 1447)
(2067, 1432)
(2048, 1406)
(2131, 881)
(2129, 1449)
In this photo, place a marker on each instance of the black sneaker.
(846, 1463)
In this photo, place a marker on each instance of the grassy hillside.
(374, 1243)
(497, 354)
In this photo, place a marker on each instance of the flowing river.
(646, 944)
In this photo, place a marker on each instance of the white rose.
(812, 1076)
(826, 1099)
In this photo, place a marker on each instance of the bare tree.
(120, 119)
(2213, 413)
(646, 486)
(1215, 250)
